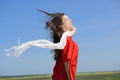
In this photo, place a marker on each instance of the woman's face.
(67, 23)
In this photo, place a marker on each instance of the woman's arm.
(67, 68)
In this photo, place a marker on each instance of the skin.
(67, 25)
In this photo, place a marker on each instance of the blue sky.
(98, 34)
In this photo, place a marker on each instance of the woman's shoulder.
(69, 38)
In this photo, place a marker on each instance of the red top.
(68, 54)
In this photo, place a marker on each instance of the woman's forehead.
(65, 17)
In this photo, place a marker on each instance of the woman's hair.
(54, 25)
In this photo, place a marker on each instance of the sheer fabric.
(19, 49)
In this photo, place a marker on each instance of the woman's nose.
(70, 20)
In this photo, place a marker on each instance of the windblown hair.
(54, 25)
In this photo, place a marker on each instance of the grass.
(115, 75)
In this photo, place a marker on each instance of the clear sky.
(98, 34)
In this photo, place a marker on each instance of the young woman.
(65, 49)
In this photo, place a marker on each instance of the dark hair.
(54, 25)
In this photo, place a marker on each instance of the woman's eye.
(67, 20)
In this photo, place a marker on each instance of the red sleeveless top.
(70, 55)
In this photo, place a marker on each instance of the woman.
(65, 49)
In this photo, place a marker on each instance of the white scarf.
(18, 50)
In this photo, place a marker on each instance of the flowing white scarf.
(19, 49)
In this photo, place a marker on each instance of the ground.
(115, 75)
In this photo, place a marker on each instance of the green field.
(80, 76)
